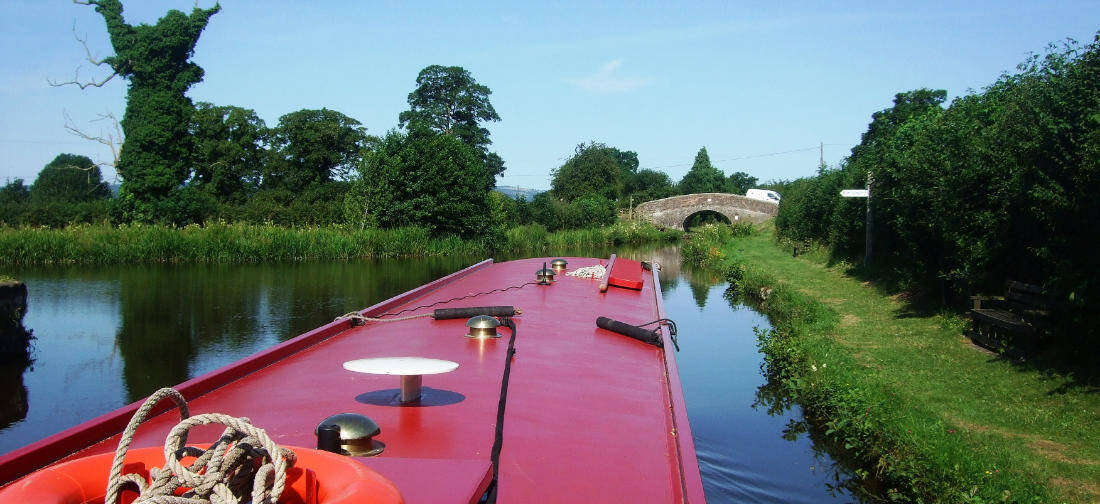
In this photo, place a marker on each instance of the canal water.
(109, 336)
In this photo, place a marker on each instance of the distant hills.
(514, 191)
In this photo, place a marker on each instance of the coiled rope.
(237, 468)
(596, 271)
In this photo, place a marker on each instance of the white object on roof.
(403, 366)
(410, 369)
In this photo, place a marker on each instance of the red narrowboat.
(510, 382)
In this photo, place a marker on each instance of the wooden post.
(607, 274)
(870, 221)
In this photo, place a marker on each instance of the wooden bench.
(801, 247)
(1011, 323)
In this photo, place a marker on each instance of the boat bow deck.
(590, 414)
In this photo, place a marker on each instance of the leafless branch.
(112, 141)
(81, 85)
(87, 50)
(86, 169)
(91, 59)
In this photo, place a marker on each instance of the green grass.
(920, 408)
(242, 243)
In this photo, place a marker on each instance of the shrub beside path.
(1006, 427)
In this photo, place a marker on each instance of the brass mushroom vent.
(544, 276)
(355, 434)
(482, 327)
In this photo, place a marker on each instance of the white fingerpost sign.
(863, 193)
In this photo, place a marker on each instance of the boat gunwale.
(691, 479)
(51, 449)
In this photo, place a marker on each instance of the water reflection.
(13, 394)
(15, 347)
(747, 453)
(111, 336)
(179, 322)
(828, 458)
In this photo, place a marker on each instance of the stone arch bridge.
(674, 212)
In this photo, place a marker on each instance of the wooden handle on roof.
(607, 275)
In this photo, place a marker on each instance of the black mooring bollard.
(328, 438)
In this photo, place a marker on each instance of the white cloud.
(605, 80)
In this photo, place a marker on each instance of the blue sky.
(659, 78)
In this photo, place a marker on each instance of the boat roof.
(590, 414)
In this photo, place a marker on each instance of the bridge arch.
(705, 216)
(673, 212)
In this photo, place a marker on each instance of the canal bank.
(905, 393)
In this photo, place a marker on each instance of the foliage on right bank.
(1000, 185)
(897, 448)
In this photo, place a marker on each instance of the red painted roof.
(591, 415)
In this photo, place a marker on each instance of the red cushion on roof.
(626, 273)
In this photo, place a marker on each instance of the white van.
(763, 195)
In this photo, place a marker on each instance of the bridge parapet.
(673, 212)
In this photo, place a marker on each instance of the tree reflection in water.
(179, 322)
(829, 455)
(15, 357)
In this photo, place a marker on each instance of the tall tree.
(703, 177)
(69, 178)
(422, 178)
(230, 145)
(739, 182)
(906, 105)
(650, 185)
(14, 191)
(13, 202)
(313, 147)
(156, 62)
(450, 101)
(593, 169)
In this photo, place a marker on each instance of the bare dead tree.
(91, 59)
(113, 141)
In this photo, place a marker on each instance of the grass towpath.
(1030, 425)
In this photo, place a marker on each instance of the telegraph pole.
(821, 149)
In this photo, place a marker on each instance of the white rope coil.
(596, 271)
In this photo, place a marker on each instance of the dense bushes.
(422, 178)
(999, 185)
(587, 211)
(70, 189)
